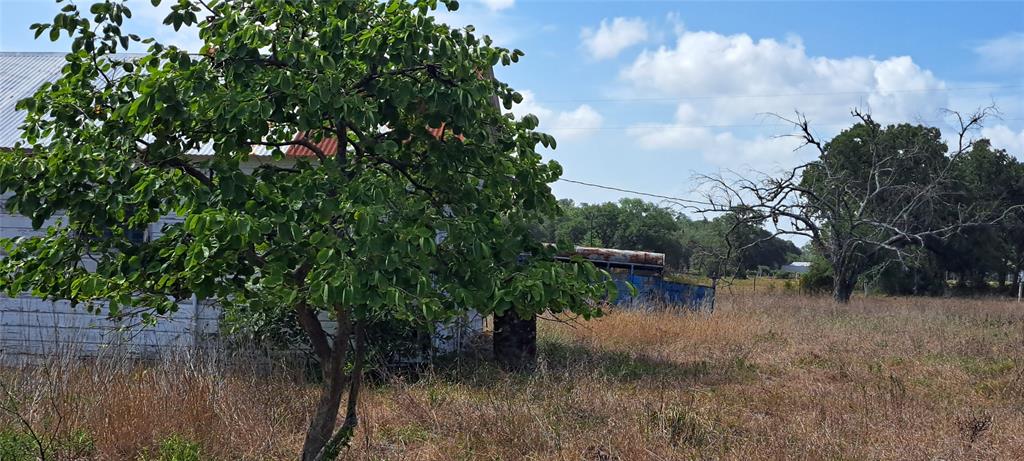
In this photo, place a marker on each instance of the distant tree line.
(974, 259)
(895, 209)
(723, 246)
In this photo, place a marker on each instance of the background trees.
(719, 247)
(628, 224)
(417, 211)
(987, 179)
(877, 196)
(891, 206)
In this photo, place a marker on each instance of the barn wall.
(31, 326)
(456, 336)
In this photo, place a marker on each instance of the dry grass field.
(765, 377)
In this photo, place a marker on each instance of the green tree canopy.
(420, 212)
(874, 194)
(987, 179)
(718, 247)
(729, 244)
(629, 224)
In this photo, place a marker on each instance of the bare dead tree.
(873, 194)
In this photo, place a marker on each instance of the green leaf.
(273, 280)
(324, 255)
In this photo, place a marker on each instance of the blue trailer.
(645, 272)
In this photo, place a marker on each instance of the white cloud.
(689, 133)
(496, 5)
(611, 38)
(1003, 137)
(563, 125)
(742, 77)
(726, 83)
(577, 123)
(1003, 53)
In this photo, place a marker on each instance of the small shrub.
(175, 448)
(972, 427)
(17, 446)
(78, 444)
(818, 279)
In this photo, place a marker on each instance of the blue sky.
(644, 94)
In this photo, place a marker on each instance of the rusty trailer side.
(643, 271)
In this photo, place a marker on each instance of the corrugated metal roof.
(21, 74)
(612, 255)
(327, 145)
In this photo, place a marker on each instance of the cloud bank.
(610, 38)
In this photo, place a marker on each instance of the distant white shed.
(797, 267)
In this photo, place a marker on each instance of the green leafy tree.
(874, 194)
(1014, 234)
(630, 224)
(989, 179)
(719, 247)
(984, 179)
(419, 213)
(731, 244)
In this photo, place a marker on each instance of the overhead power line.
(787, 95)
(659, 126)
(628, 191)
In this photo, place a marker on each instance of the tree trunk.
(343, 435)
(842, 286)
(515, 341)
(321, 427)
(978, 280)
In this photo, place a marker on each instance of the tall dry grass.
(766, 377)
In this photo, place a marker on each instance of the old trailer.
(644, 271)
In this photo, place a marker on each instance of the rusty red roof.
(329, 145)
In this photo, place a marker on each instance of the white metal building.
(797, 267)
(31, 326)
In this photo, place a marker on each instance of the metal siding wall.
(31, 326)
(654, 289)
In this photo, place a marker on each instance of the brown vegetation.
(776, 376)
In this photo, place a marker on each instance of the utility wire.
(646, 194)
(786, 95)
(642, 126)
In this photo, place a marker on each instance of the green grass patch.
(175, 448)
